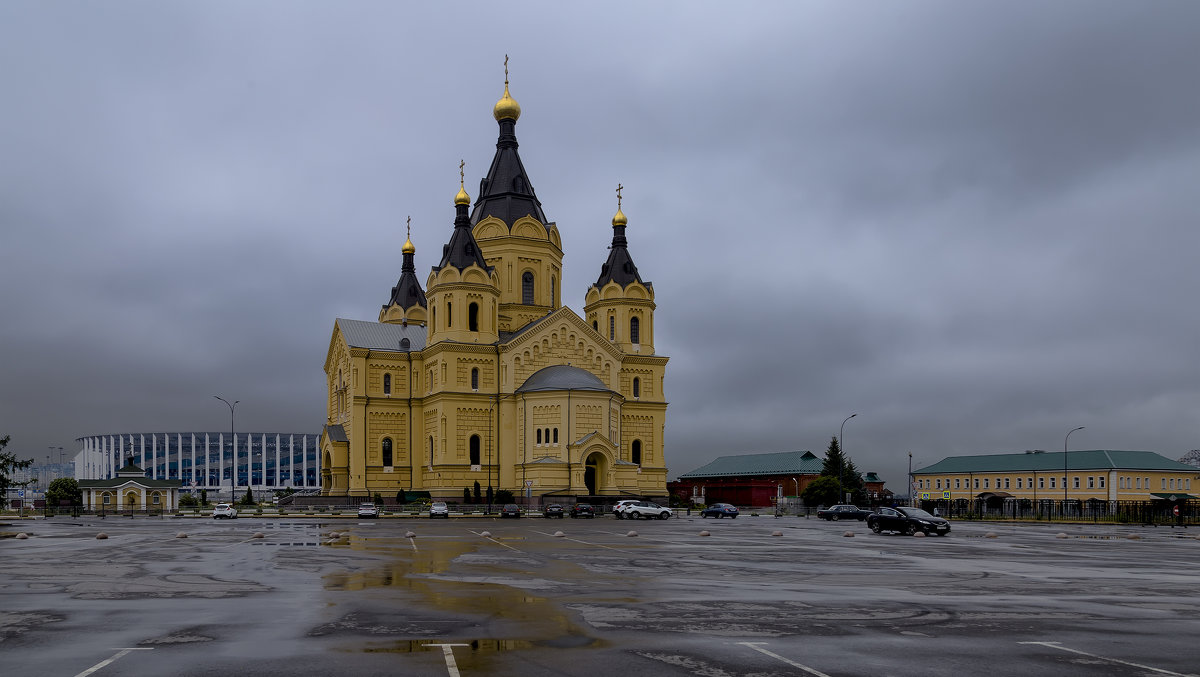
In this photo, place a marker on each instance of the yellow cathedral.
(485, 376)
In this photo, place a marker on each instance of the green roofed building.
(755, 479)
(1098, 474)
(130, 491)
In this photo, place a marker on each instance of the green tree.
(9, 463)
(842, 470)
(821, 491)
(204, 497)
(64, 489)
(477, 496)
(467, 494)
(188, 501)
(504, 496)
(378, 499)
(248, 499)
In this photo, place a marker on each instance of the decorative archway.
(131, 500)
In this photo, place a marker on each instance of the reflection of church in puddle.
(486, 377)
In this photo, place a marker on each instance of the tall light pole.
(1065, 467)
(232, 450)
(842, 456)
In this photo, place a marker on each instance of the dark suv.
(582, 510)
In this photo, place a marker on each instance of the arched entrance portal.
(593, 471)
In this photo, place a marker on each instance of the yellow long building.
(484, 376)
(1105, 475)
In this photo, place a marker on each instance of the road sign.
(1175, 510)
(20, 493)
(529, 483)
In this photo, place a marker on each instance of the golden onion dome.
(462, 198)
(408, 247)
(619, 219)
(507, 107)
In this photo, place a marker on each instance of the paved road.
(361, 598)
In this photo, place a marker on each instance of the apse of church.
(483, 375)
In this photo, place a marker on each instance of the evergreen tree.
(9, 463)
(842, 469)
(477, 496)
(467, 494)
(248, 499)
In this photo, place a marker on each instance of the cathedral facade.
(484, 376)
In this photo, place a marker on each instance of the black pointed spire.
(408, 292)
(462, 250)
(619, 268)
(506, 192)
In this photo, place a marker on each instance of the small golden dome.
(619, 219)
(462, 198)
(506, 107)
(408, 247)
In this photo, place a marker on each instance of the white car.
(368, 510)
(439, 509)
(646, 510)
(619, 509)
(224, 511)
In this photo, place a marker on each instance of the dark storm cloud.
(972, 224)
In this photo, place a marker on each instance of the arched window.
(474, 449)
(474, 378)
(637, 387)
(449, 314)
(387, 384)
(434, 323)
(556, 435)
(548, 438)
(473, 317)
(634, 330)
(431, 451)
(539, 435)
(553, 286)
(527, 288)
(387, 451)
(637, 452)
(595, 325)
(612, 328)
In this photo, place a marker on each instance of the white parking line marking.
(113, 658)
(576, 540)
(794, 664)
(478, 533)
(448, 652)
(1057, 645)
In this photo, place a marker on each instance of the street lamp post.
(842, 457)
(232, 450)
(1065, 468)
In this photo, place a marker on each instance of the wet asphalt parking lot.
(351, 597)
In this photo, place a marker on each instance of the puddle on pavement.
(451, 580)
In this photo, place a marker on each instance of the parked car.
(582, 510)
(553, 510)
(907, 520)
(720, 510)
(843, 512)
(439, 509)
(510, 510)
(224, 511)
(368, 510)
(618, 510)
(646, 510)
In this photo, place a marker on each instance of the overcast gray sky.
(974, 224)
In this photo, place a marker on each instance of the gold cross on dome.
(619, 188)
(505, 70)
(461, 176)
(410, 227)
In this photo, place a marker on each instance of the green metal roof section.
(742, 465)
(1095, 459)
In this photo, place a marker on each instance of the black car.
(510, 510)
(720, 510)
(553, 510)
(582, 510)
(909, 521)
(843, 512)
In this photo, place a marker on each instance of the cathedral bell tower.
(508, 222)
(463, 289)
(619, 305)
(407, 304)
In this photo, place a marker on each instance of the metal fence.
(1181, 513)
